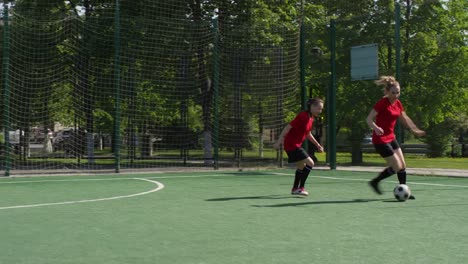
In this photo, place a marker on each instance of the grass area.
(412, 160)
(415, 161)
(249, 158)
(230, 218)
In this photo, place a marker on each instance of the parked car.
(62, 138)
(70, 140)
(367, 139)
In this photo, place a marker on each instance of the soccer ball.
(402, 192)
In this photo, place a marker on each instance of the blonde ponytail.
(387, 82)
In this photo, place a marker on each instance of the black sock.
(305, 174)
(385, 174)
(297, 179)
(402, 176)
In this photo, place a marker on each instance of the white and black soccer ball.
(402, 192)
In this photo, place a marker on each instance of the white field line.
(158, 184)
(119, 179)
(414, 183)
(219, 175)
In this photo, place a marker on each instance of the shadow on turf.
(251, 198)
(321, 202)
(291, 197)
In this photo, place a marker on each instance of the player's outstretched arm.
(407, 122)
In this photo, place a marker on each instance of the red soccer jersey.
(301, 125)
(387, 115)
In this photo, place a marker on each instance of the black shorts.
(297, 155)
(387, 150)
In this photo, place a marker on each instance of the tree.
(435, 72)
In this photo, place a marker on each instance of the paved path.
(414, 171)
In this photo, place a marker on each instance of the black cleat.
(375, 186)
(411, 197)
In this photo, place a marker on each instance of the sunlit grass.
(415, 161)
(254, 158)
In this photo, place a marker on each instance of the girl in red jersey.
(292, 137)
(382, 119)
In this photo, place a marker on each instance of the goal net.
(129, 85)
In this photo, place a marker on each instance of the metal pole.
(305, 144)
(6, 85)
(332, 98)
(398, 131)
(216, 94)
(117, 86)
(302, 59)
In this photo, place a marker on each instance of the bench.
(421, 149)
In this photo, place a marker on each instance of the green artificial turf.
(231, 217)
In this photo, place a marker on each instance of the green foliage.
(438, 138)
(103, 121)
(434, 61)
(166, 75)
(435, 74)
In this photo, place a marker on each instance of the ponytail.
(387, 82)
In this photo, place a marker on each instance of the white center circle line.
(158, 184)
